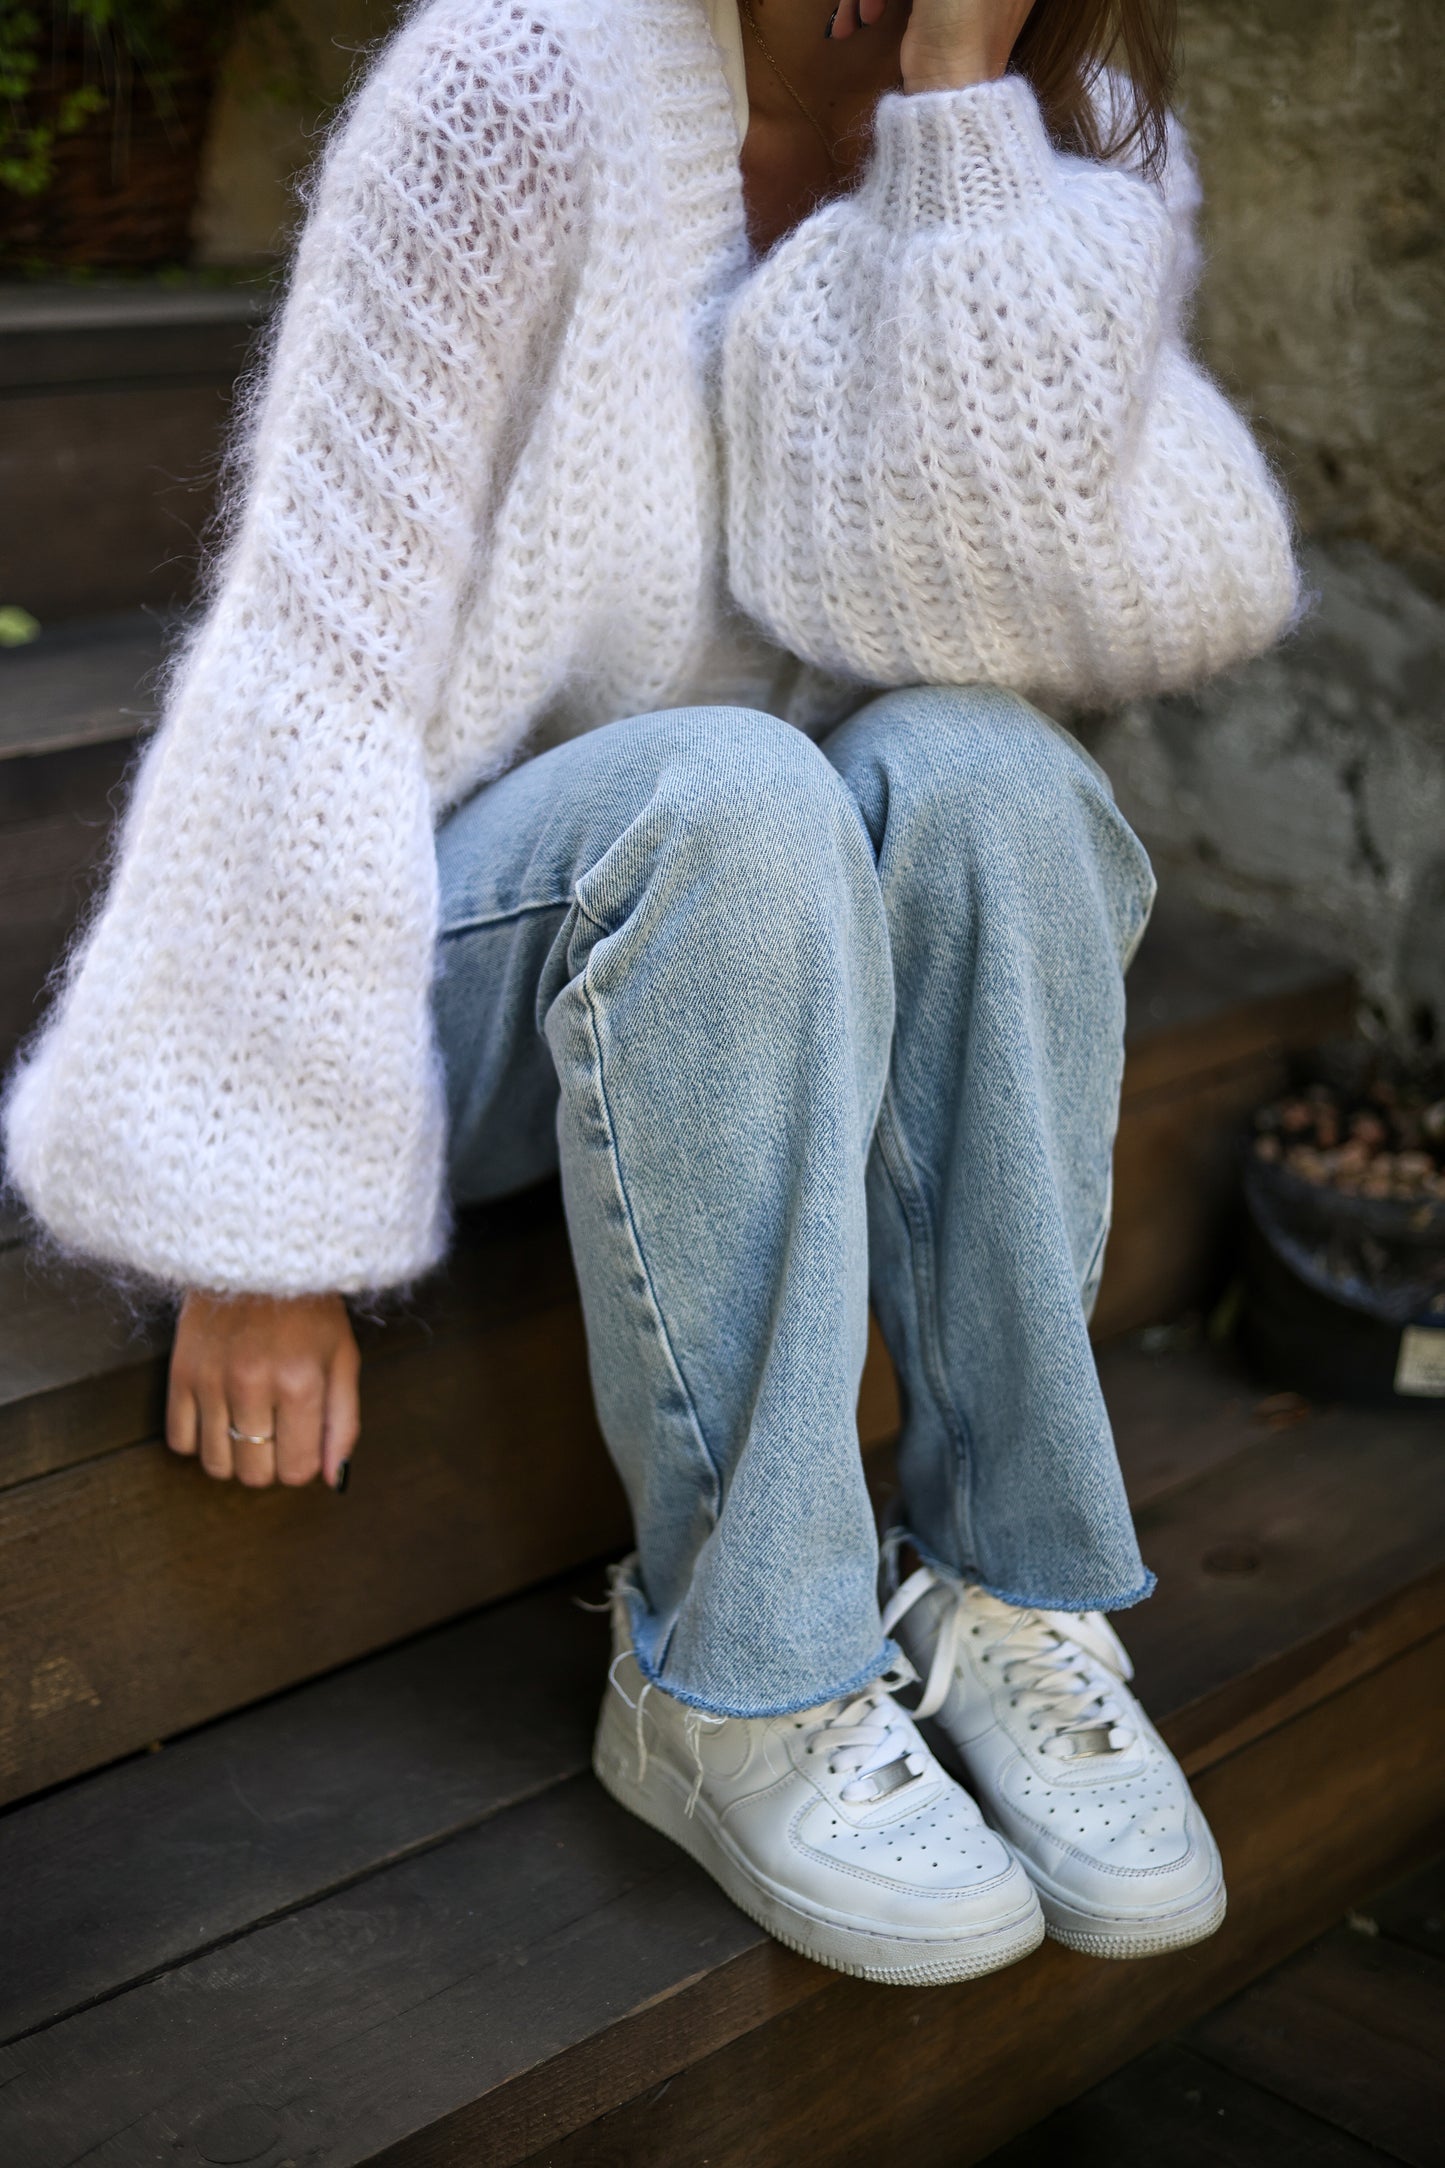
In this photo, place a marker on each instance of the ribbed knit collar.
(696, 132)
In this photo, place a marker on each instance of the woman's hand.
(282, 1372)
(948, 43)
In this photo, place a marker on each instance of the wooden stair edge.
(728, 1982)
(735, 1996)
(957, 2072)
(1291, 997)
(165, 1561)
(1194, 1055)
(83, 1368)
(478, 1760)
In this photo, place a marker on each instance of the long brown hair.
(1063, 49)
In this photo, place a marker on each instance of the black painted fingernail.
(831, 20)
(343, 1477)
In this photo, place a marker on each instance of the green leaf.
(17, 627)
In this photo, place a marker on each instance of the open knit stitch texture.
(537, 444)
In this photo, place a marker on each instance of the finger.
(343, 1414)
(872, 11)
(183, 1417)
(300, 1424)
(844, 23)
(215, 1414)
(255, 1450)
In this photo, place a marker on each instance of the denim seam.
(1089, 1284)
(615, 1158)
(898, 1162)
(502, 918)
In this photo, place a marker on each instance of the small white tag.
(1421, 1367)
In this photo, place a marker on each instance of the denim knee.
(748, 805)
(965, 785)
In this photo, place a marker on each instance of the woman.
(691, 433)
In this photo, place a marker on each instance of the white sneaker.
(836, 1829)
(1066, 1765)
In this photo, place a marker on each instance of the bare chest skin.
(785, 170)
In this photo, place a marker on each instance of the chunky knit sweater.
(539, 443)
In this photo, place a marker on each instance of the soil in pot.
(1345, 1261)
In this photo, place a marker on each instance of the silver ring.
(246, 1437)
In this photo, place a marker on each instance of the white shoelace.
(1063, 1687)
(861, 1734)
(863, 1739)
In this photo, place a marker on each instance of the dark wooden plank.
(1352, 2031)
(1413, 1911)
(137, 1597)
(135, 1800)
(52, 335)
(125, 1807)
(1272, 1561)
(1214, 1010)
(106, 493)
(1391, 1769)
(125, 1575)
(1178, 1410)
(1175, 1194)
(354, 2022)
(1228, 1717)
(242, 1821)
(82, 684)
(940, 2077)
(188, 1793)
(1172, 2105)
(56, 813)
(79, 1373)
(69, 1342)
(21, 1374)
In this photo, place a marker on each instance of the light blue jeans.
(799, 1023)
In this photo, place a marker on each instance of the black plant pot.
(1344, 1296)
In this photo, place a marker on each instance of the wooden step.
(124, 1573)
(137, 1597)
(71, 705)
(1215, 1010)
(114, 400)
(389, 1916)
(1331, 2061)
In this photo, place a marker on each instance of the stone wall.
(1308, 789)
(1318, 129)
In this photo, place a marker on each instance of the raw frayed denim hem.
(639, 1615)
(1022, 1600)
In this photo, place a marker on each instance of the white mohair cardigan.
(538, 444)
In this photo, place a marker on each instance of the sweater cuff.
(955, 157)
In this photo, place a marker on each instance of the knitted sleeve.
(965, 439)
(238, 1088)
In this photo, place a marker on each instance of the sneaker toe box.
(943, 1871)
(1135, 1847)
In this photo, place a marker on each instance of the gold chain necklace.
(807, 112)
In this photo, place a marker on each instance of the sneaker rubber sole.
(895, 1960)
(1114, 1936)
(1100, 1934)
